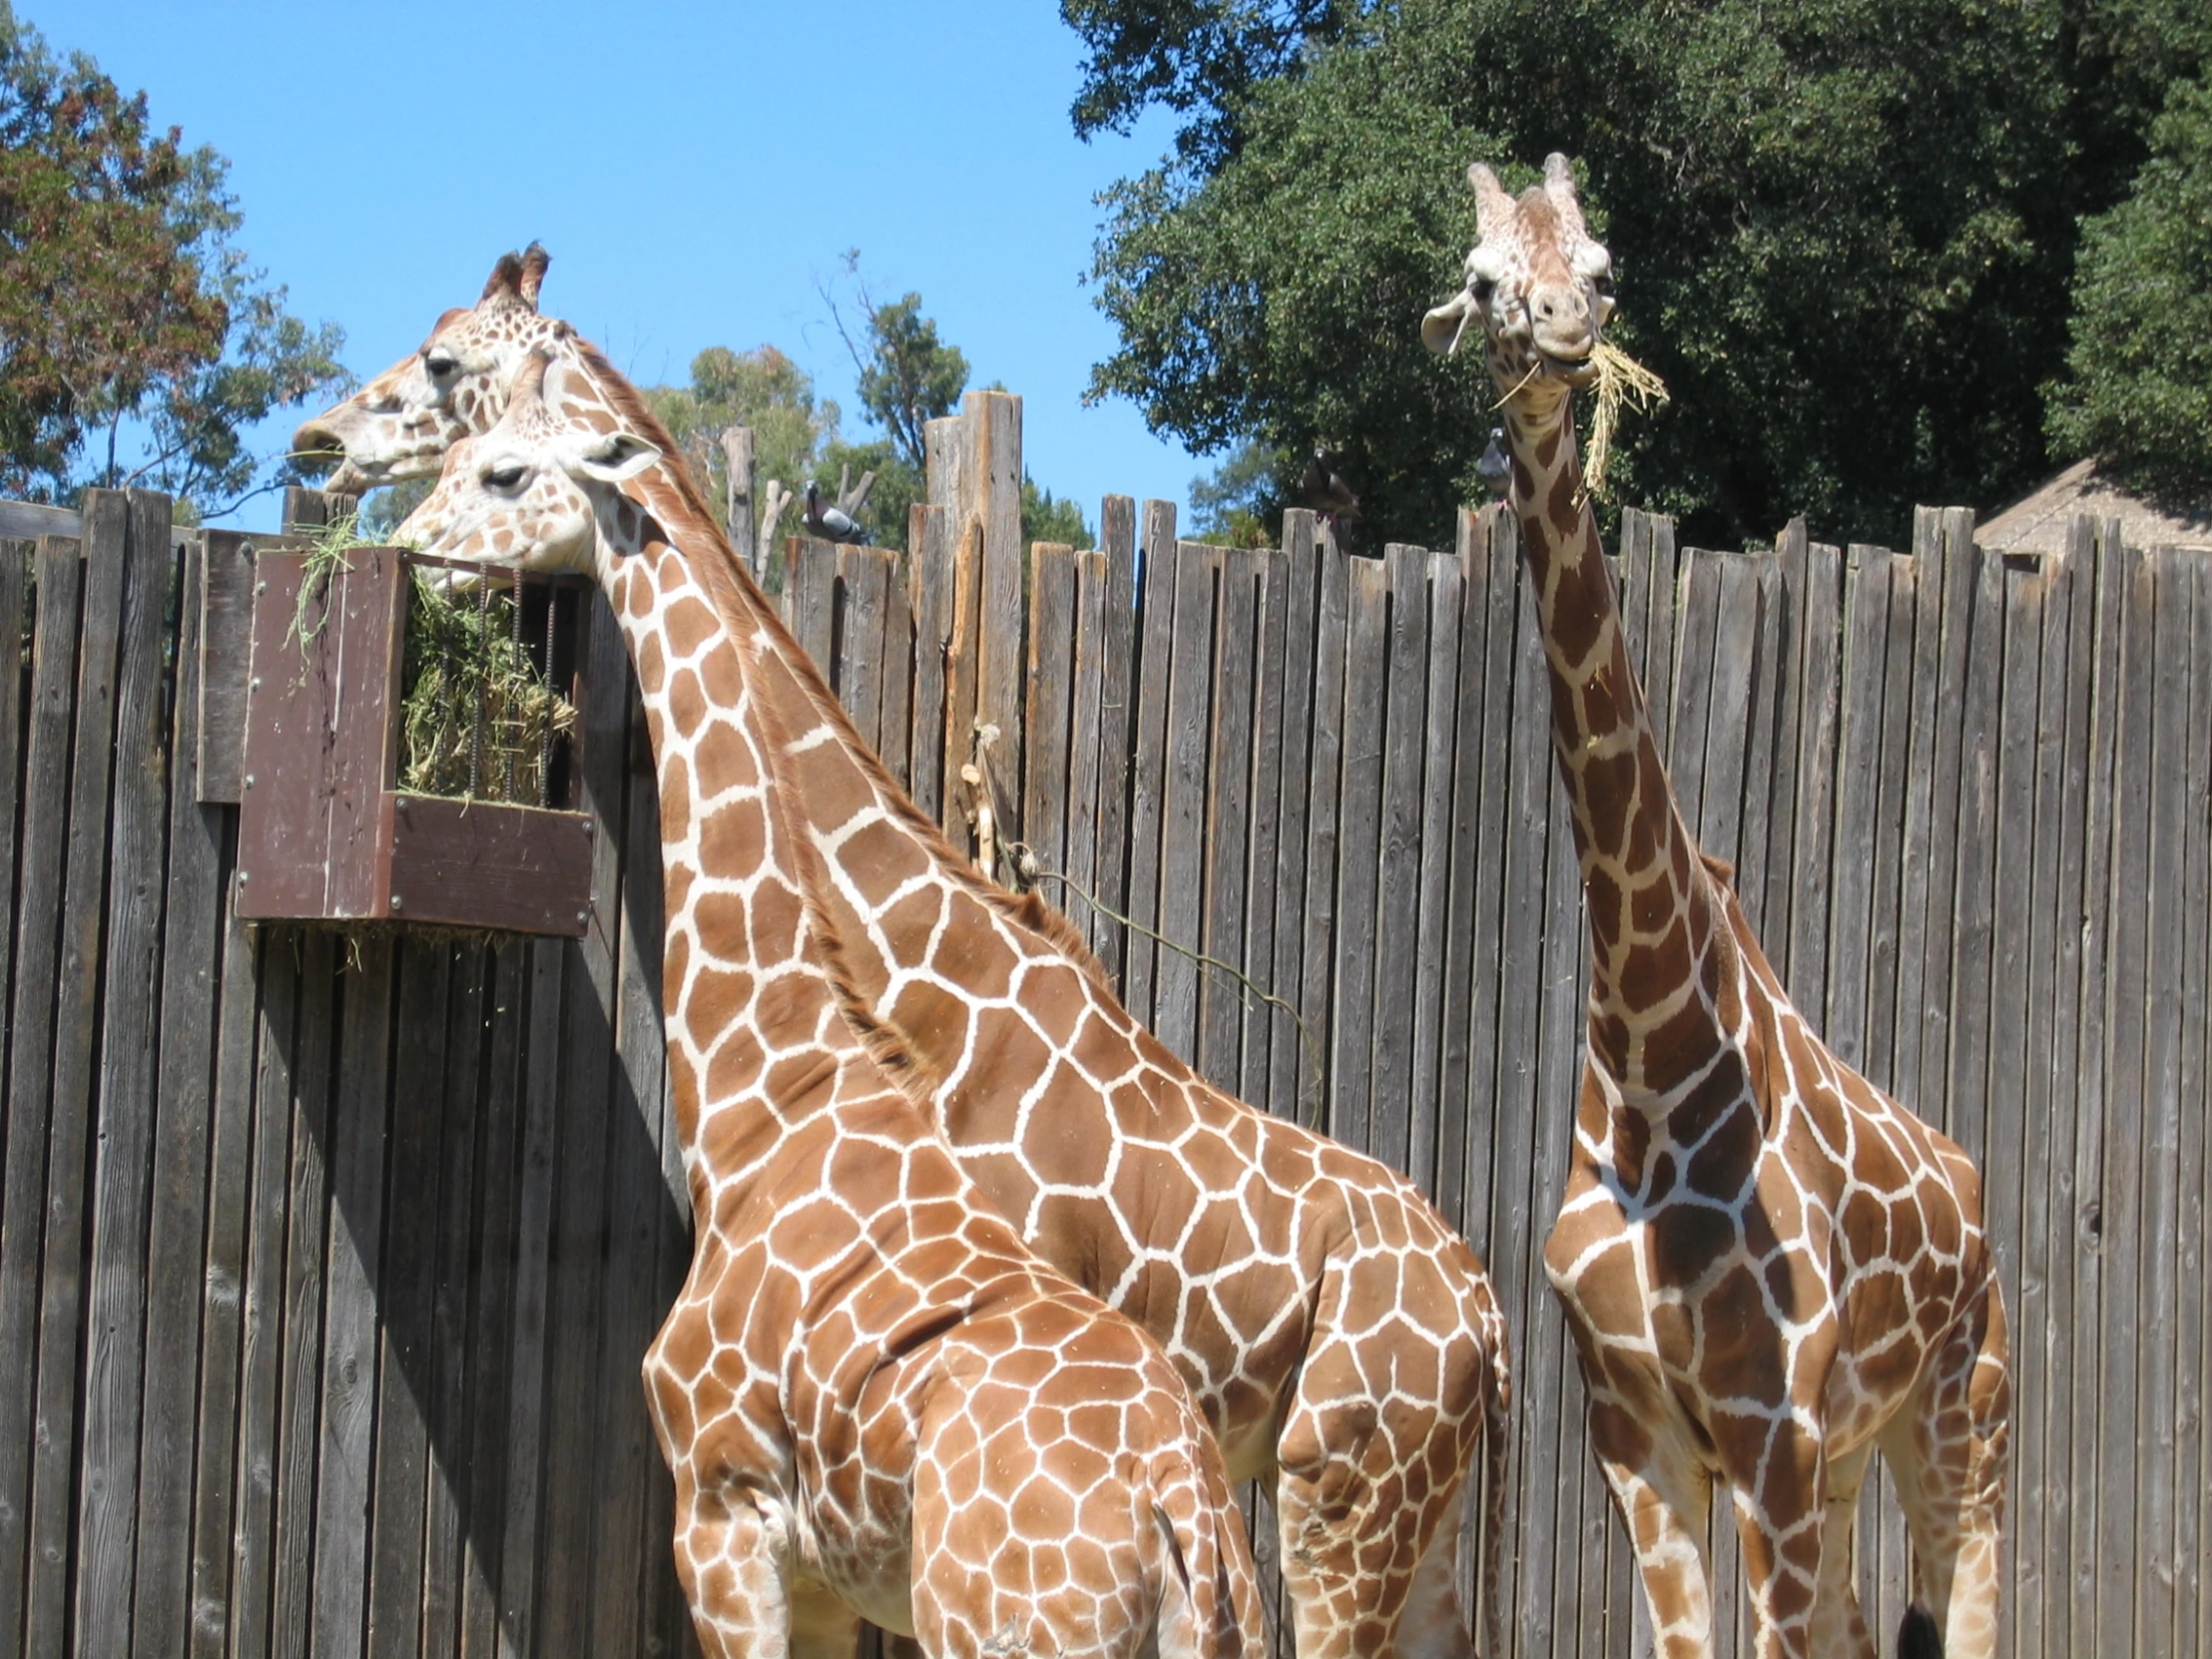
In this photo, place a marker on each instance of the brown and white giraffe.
(1343, 1343)
(401, 423)
(1770, 1266)
(877, 1402)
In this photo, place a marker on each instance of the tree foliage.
(129, 328)
(2140, 387)
(1843, 231)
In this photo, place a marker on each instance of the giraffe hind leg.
(1838, 1625)
(1948, 1452)
(1664, 1499)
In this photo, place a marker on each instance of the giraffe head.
(532, 490)
(1541, 287)
(402, 422)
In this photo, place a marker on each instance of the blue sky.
(695, 168)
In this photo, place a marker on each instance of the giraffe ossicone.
(875, 1401)
(1770, 1266)
(1343, 1343)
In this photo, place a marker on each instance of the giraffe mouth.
(1577, 372)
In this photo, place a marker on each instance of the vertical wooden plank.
(229, 1142)
(1360, 828)
(1086, 740)
(960, 685)
(1459, 1028)
(896, 746)
(61, 1285)
(810, 603)
(995, 437)
(544, 1062)
(1780, 875)
(2010, 1125)
(1292, 1058)
(1148, 774)
(1316, 995)
(32, 1029)
(864, 573)
(299, 1118)
(1975, 835)
(1182, 902)
(1813, 841)
(445, 1498)
(16, 622)
(2120, 1421)
(1397, 936)
(929, 572)
(1954, 687)
(405, 1282)
(576, 1305)
(1263, 853)
(1860, 680)
(1228, 820)
(1890, 787)
(643, 1226)
(1736, 603)
(2108, 713)
(1050, 679)
(349, 1334)
(2158, 1208)
(2191, 1582)
(2040, 1619)
(1761, 734)
(1117, 722)
(192, 942)
(492, 1300)
(1689, 721)
(123, 1158)
(254, 1560)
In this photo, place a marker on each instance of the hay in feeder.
(1620, 378)
(477, 718)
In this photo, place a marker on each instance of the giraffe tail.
(1209, 1605)
(1497, 1469)
(1917, 1637)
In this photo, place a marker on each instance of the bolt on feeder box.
(411, 751)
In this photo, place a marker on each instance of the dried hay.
(477, 720)
(1620, 378)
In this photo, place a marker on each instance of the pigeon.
(1495, 468)
(830, 523)
(1328, 495)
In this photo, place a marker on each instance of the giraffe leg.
(1839, 1626)
(733, 1564)
(1948, 1452)
(1777, 1486)
(1664, 1499)
(1357, 1508)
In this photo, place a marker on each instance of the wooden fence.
(325, 1267)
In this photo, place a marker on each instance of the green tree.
(1047, 517)
(764, 390)
(1233, 502)
(2140, 387)
(1843, 230)
(137, 344)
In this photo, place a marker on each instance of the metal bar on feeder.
(545, 726)
(477, 724)
(510, 751)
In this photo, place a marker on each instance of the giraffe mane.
(741, 602)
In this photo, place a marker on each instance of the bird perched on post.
(1328, 495)
(1494, 469)
(830, 523)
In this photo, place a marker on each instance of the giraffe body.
(875, 1399)
(1343, 1343)
(1771, 1269)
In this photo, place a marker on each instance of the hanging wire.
(545, 727)
(511, 749)
(476, 725)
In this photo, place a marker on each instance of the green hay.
(461, 659)
(328, 546)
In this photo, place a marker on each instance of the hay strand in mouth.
(1620, 380)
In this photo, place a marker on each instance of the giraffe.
(1770, 1266)
(1345, 1345)
(401, 423)
(875, 1401)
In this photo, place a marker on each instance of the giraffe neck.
(1658, 939)
(754, 1040)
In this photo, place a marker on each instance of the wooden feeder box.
(324, 831)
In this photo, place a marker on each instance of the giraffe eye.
(1482, 287)
(504, 477)
(441, 367)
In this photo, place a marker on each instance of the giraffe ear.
(534, 260)
(611, 458)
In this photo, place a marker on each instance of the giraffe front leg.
(1777, 1474)
(1839, 1626)
(1664, 1499)
(732, 1558)
(1950, 1453)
